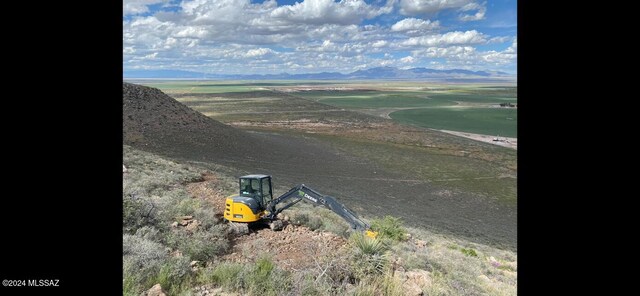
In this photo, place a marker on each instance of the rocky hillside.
(156, 122)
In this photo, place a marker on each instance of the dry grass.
(453, 267)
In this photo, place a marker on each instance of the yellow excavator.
(255, 203)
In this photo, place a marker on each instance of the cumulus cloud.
(428, 7)
(319, 35)
(452, 52)
(500, 39)
(469, 55)
(407, 60)
(379, 43)
(415, 7)
(151, 56)
(450, 38)
(414, 25)
(327, 12)
(509, 55)
(258, 52)
(130, 7)
(478, 8)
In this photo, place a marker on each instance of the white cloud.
(414, 25)
(319, 35)
(130, 7)
(151, 56)
(407, 60)
(507, 56)
(500, 39)
(450, 38)
(191, 32)
(452, 52)
(415, 7)
(469, 55)
(379, 43)
(428, 7)
(480, 10)
(258, 52)
(327, 12)
(128, 50)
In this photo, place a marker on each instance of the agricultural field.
(497, 121)
(456, 108)
(206, 86)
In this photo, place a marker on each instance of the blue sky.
(311, 36)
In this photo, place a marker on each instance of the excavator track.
(239, 228)
(276, 225)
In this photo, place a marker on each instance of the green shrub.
(142, 259)
(299, 219)
(265, 279)
(260, 278)
(412, 258)
(187, 206)
(315, 223)
(389, 227)
(379, 285)
(340, 229)
(174, 276)
(150, 233)
(201, 245)
(142, 253)
(305, 283)
(469, 252)
(264, 267)
(366, 245)
(129, 285)
(207, 217)
(138, 212)
(227, 275)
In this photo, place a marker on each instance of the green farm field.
(462, 108)
(496, 121)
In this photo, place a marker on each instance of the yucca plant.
(370, 254)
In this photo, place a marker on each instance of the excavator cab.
(249, 205)
(257, 187)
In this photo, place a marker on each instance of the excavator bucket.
(371, 234)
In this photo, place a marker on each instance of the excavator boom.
(302, 192)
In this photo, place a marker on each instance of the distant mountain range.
(372, 73)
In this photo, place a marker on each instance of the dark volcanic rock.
(156, 122)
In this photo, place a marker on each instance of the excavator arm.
(302, 192)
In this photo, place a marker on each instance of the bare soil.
(294, 248)
(496, 140)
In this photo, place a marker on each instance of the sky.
(312, 36)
